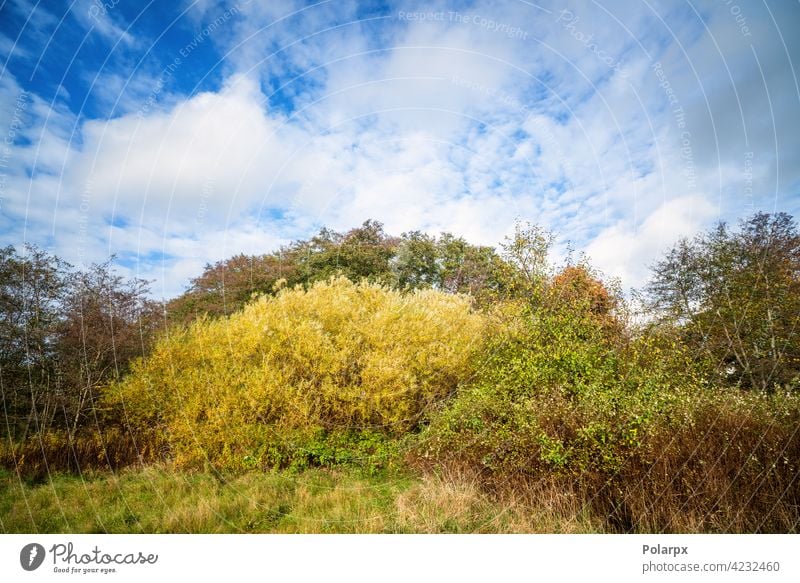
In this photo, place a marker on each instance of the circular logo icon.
(31, 556)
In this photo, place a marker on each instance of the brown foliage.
(226, 286)
(100, 449)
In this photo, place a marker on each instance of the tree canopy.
(735, 297)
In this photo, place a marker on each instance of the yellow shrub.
(336, 357)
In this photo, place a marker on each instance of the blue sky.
(174, 134)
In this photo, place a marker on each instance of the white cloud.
(102, 17)
(9, 48)
(420, 124)
(625, 251)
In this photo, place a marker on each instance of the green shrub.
(557, 392)
(629, 424)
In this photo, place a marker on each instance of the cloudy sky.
(177, 133)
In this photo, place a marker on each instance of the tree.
(63, 335)
(579, 286)
(527, 267)
(735, 298)
(226, 286)
(416, 264)
(415, 260)
(362, 253)
(467, 268)
(32, 286)
(107, 321)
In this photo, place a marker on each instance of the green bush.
(558, 392)
(630, 424)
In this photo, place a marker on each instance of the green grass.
(158, 500)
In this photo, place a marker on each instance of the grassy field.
(156, 500)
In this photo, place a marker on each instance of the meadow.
(159, 500)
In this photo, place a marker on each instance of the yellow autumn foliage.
(339, 356)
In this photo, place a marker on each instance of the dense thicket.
(273, 384)
(365, 349)
(572, 407)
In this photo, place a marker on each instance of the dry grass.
(457, 501)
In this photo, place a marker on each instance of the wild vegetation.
(430, 385)
(309, 375)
